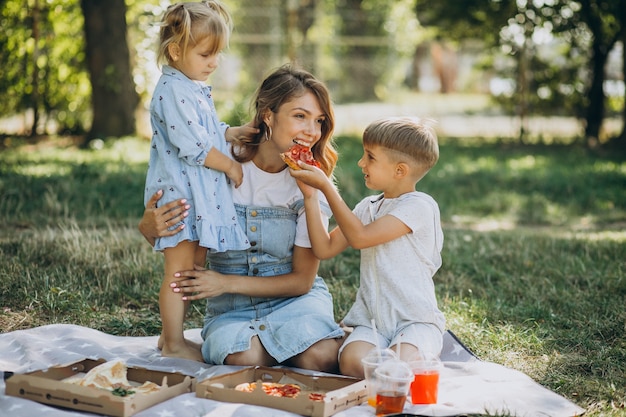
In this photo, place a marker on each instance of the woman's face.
(297, 120)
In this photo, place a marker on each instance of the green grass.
(533, 277)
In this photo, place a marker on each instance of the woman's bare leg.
(255, 356)
(321, 356)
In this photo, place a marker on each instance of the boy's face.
(378, 168)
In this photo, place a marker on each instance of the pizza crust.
(112, 376)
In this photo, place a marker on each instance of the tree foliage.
(553, 51)
(578, 34)
(43, 60)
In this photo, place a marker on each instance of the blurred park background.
(528, 97)
(528, 70)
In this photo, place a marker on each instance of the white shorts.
(426, 337)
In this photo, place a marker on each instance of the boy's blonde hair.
(405, 137)
(187, 24)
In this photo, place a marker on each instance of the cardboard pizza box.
(338, 392)
(48, 387)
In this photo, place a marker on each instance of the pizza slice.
(299, 152)
(112, 376)
(276, 389)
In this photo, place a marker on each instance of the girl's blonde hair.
(187, 24)
(281, 86)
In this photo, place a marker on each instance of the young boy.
(400, 238)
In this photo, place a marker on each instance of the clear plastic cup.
(392, 381)
(370, 362)
(425, 385)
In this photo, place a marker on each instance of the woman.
(266, 305)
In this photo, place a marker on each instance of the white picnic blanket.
(467, 384)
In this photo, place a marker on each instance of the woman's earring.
(268, 136)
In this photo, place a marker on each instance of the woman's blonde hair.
(187, 24)
(282, 86)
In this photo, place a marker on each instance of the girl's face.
(198, 63)
(377, 167)
(297, 120)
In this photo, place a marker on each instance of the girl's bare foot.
(183, 351)
(193, 345)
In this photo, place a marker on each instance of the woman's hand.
(199, 283)
(156, 221)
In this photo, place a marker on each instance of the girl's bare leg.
(173, 310)
(200, 260)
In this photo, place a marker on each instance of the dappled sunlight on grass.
(533, 273)
(546, 301)
(43, 160)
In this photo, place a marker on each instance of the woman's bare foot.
(194, 345)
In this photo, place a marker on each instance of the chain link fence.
(346, 47)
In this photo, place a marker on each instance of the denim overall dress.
(285, 326)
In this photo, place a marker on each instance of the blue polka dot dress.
(185, 127)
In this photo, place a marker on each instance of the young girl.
(188, 156)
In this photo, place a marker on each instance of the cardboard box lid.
(339, 392)
(47, 387)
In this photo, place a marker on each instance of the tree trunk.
(620, 141)
(35, 99)
(595, 108)
(114, 98)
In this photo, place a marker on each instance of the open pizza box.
(53, 386)
(318, 396)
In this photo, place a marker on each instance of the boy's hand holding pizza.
(310, 178)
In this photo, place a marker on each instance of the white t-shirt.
(396, 286)
(266, 189)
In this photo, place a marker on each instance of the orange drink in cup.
(425, 385)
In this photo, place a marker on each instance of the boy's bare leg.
(350, 360)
